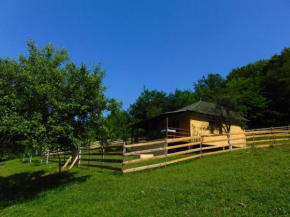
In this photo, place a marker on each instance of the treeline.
(259, 91)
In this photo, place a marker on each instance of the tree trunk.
(229, 139)
(75, 153)
(59, 165)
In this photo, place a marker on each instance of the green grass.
(253, 182)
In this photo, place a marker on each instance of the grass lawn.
(253, 182)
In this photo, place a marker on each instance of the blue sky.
(162, 44)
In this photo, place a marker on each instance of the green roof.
(206, 108)
(200, 107)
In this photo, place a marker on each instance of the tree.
(59, 104)
(248, 82)
(206, 87)
(275, 87)
(181, 98)
(243, 84)
(13, 125)
(228, 108)
(118, 123)
(229, 98)
(149, 104)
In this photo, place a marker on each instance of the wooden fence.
(112, 155)
(103, 156)
(128, 158)
(200, 146)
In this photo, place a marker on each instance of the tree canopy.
(154, 102)
(47, 101)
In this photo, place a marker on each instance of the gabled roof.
(200, 107)
(206, 108)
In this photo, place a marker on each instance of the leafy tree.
(275, 87)
(230, 98)
(149, 104)
(118, 123)
(154, 102)
(252, 70)
(13, 126)
(265, 90)
(206, 87)
(181, 98)
(228, 107)
(49, 102)
(248, 82)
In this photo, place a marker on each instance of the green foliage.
(118, 125)
(154, 102)
(207, 87)
(251, 182)
(49, 102)
(180, 99)
(265, 90)
(149, 104)
(276, 88)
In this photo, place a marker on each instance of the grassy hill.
(254, 182)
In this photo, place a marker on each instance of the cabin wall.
(200, 125)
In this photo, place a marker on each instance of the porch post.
(166, 144)
(166, 127)
(149, 132)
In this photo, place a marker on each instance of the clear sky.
(162, 44)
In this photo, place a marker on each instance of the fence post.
(288, 131)
(89, 160)
(79, 157)
(201, 141)
(103, 157)
(124, 157)
(165, 151)
(253, 138)
(273, 137)
(245, 140)
(47, 156)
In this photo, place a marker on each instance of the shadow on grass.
(25, 186)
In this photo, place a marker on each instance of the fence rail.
(270, 128)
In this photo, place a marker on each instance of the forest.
(48, 102)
